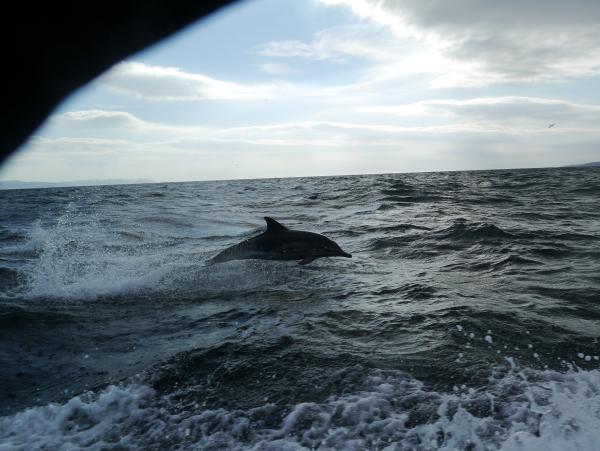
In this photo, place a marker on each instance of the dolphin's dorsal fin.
(274, 226)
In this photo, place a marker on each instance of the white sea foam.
(78, 259)
(84, 422)
(523, 410)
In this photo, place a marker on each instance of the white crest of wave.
(556, 412)
(79, 258)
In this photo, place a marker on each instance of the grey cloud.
(170, 83)
(98, 119)
(528, 109)
(509, 40)
(509, 115)
(474, 16)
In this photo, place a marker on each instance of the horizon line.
(142, 181)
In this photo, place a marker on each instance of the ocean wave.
(16, 318)
(10, 236)
(8, 276)
(155, 194)
(557, 251)
(522, 409)
(575, 297)
(416, 291)
(469, 231)
(445, 239)
(390, 243)
(556, 236)
(401, 227)
(397, 187)
(386, 206)
(515, 260)
(509, 262)
(506, 201)
(411, 199)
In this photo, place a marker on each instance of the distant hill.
(583, 165)
(18, 184)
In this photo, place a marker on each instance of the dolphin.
(280, 243)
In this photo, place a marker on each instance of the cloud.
(479, 42)
(498, 117)
(101, 127)
(276, 69)
(289, 49)
(527, 108)
(97, 127)
(170, 83)
(337, 44)
(524, 113)
(483, 122)
(471, 136)
(98, 119)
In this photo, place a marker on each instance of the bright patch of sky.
(275, 88)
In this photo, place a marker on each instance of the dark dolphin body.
(280, 243)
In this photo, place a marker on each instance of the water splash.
(79, 257)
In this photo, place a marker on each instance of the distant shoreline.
(593, 164)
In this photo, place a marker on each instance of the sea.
(467, 319)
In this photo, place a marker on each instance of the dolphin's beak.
(345, 254)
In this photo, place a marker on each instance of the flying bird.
(551, 125)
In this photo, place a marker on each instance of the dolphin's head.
(329, 248)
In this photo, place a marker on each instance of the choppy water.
(468, 317)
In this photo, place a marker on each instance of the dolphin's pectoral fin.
(307, 260)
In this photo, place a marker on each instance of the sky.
(279, 88)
